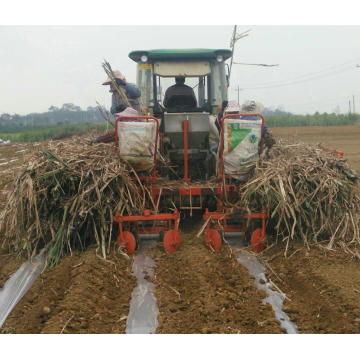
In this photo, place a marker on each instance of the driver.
(171, 98)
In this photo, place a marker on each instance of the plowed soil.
(324, 289)
(82, 291)
(203, 292)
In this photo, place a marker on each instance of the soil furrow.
(93, 293)
(202, 292)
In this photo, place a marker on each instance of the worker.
(253, 107)
(109, 136)
(132, 92)
(220, 110)
(180, 95)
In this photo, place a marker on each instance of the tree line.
(67, 114)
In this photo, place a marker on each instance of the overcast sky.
(42, 66)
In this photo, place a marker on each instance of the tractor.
(185, 173)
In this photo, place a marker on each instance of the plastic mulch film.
(274, 298)
(143, 314)
(19, 283)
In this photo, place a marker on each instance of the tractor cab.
(206, 72)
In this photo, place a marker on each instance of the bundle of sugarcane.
(310, 194)
(66, 196)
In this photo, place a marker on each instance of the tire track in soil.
(215, 293)
(93, 293)
(324, 289)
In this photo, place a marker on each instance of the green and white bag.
(241, 147)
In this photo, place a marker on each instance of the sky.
(41, 66)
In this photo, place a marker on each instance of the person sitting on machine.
(180, 95)
(131, 91)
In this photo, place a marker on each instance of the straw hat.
(129, 111)
(251, 107)
(232, 107)
(118, 75)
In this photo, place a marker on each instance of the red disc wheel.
(129, 241)
(212, 240)
(258, 241)
(172, 241)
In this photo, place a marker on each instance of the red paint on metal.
(340, 153)
(212, 240)
(258, 240)
(186, 126)
(172, 241)
(128, 239)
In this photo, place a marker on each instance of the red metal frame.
(147, 217)
(222, 137)
(218, 190)
(186, 127)
(120, 118)
(231, 228)
(340, 153)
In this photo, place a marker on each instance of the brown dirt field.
(324, 289)
(8, 265)
(93, 293)
(342, 138)
(216, 293)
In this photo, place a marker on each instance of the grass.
(55, 132)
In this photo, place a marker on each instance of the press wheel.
(258, 241)
(172, 241)
(129, 241)
(212, 240)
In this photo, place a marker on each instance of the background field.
(342, 138)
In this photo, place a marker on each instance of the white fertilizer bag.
(214, 136)
(137, 144)
(241, 147)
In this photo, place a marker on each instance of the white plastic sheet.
(19, 283)
(143, 314)
(214, 136)
(274, 298)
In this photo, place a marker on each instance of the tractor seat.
(181, 101)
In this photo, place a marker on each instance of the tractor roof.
(180, 54)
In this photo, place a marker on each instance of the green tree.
(5, 117)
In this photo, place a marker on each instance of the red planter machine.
(165, 225)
